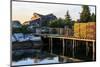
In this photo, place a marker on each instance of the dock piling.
(63, 47)
(93, 56)
(73, 48)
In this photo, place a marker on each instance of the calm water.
(33, 56)
(42, 55)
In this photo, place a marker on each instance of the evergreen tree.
(67, 18)
(93, 17)
(85, 15)
(59, 23)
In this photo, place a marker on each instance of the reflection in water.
(31, 56)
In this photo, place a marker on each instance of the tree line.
(85, 16)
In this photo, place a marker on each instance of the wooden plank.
(72, 38)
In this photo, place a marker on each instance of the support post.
(75, 44)
(87, 48)
(93, 56)
(73, 48)
(63, 46)
(51, 45)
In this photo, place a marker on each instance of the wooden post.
(51, 45)
(93, 56)
(73, 48)
(63, 46)
(87, 48)
(75, 44)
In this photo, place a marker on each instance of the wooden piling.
(51, 46)
(93, 56)
(63, 47)
(73, 48)
(87, 48)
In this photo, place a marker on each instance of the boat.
(20, 37)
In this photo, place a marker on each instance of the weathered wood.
(72, 38)
(63, 47)
(74, 42)
(73, 47)
(87, 48)
(93, 57)
(51, 46)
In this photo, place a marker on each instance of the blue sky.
(23, 11)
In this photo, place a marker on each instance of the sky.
(23, 11)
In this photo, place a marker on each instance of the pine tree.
(93, 17)
(59, 23)
(85, 15)
(67, 18)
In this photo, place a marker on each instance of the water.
(33, 57)
(43, 54)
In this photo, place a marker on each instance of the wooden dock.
(74, 43)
